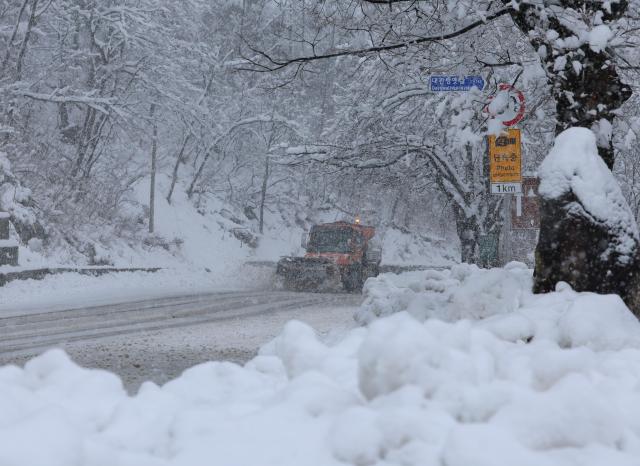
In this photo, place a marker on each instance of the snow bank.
(500, 300)
(464, 291)
(501, 377)
(71, 290)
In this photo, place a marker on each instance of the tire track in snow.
(32, 332)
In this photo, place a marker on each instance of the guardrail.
(39, 274)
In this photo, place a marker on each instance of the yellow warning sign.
(505, 157)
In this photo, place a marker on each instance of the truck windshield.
(330, 240)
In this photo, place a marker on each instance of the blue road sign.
(456, 83)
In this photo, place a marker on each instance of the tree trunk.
(196, 177)
(13, 35)
(179, 160)
(25, 41)
(585, 84)
(469, 235)
(263, 193)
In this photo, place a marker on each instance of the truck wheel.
(373, 270)
(289, 284)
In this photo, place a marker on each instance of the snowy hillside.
(202, 246)
(208, 234)
(499, 377)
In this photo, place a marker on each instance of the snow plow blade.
(308, 274)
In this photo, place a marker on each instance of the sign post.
(505, 162)
(525, 207)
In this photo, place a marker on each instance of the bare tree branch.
(274, 64)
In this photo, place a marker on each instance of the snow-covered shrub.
(17, 201)
(588, 237)
(463, 291)
(573, 167)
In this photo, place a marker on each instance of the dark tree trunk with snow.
(587, 90)
(263, 193)
(471, 229)
(562, 256)
(468, 231)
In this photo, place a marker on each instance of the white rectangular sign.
(506, 188)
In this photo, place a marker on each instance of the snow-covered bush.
(463, 291)
(574, 167)
(590, 237)
(16, 200)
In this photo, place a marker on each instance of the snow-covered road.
(156, 339)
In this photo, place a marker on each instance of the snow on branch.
(336, 156)
(397, 99)
(272, 119)
(98, 103)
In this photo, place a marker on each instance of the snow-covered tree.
(576, 41)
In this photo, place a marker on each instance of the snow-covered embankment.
(477, 371)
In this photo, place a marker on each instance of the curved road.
(157, 339)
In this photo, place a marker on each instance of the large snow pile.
(502, 377)
(463, 291)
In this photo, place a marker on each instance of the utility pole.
(152, 189)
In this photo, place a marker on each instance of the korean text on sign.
(505, 157)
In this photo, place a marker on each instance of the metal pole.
(152, 190)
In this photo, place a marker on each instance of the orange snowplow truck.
(338, 255)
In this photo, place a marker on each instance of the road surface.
(157, 339)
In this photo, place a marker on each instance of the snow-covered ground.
(71, 290)
(459, 367)
(209, 327)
